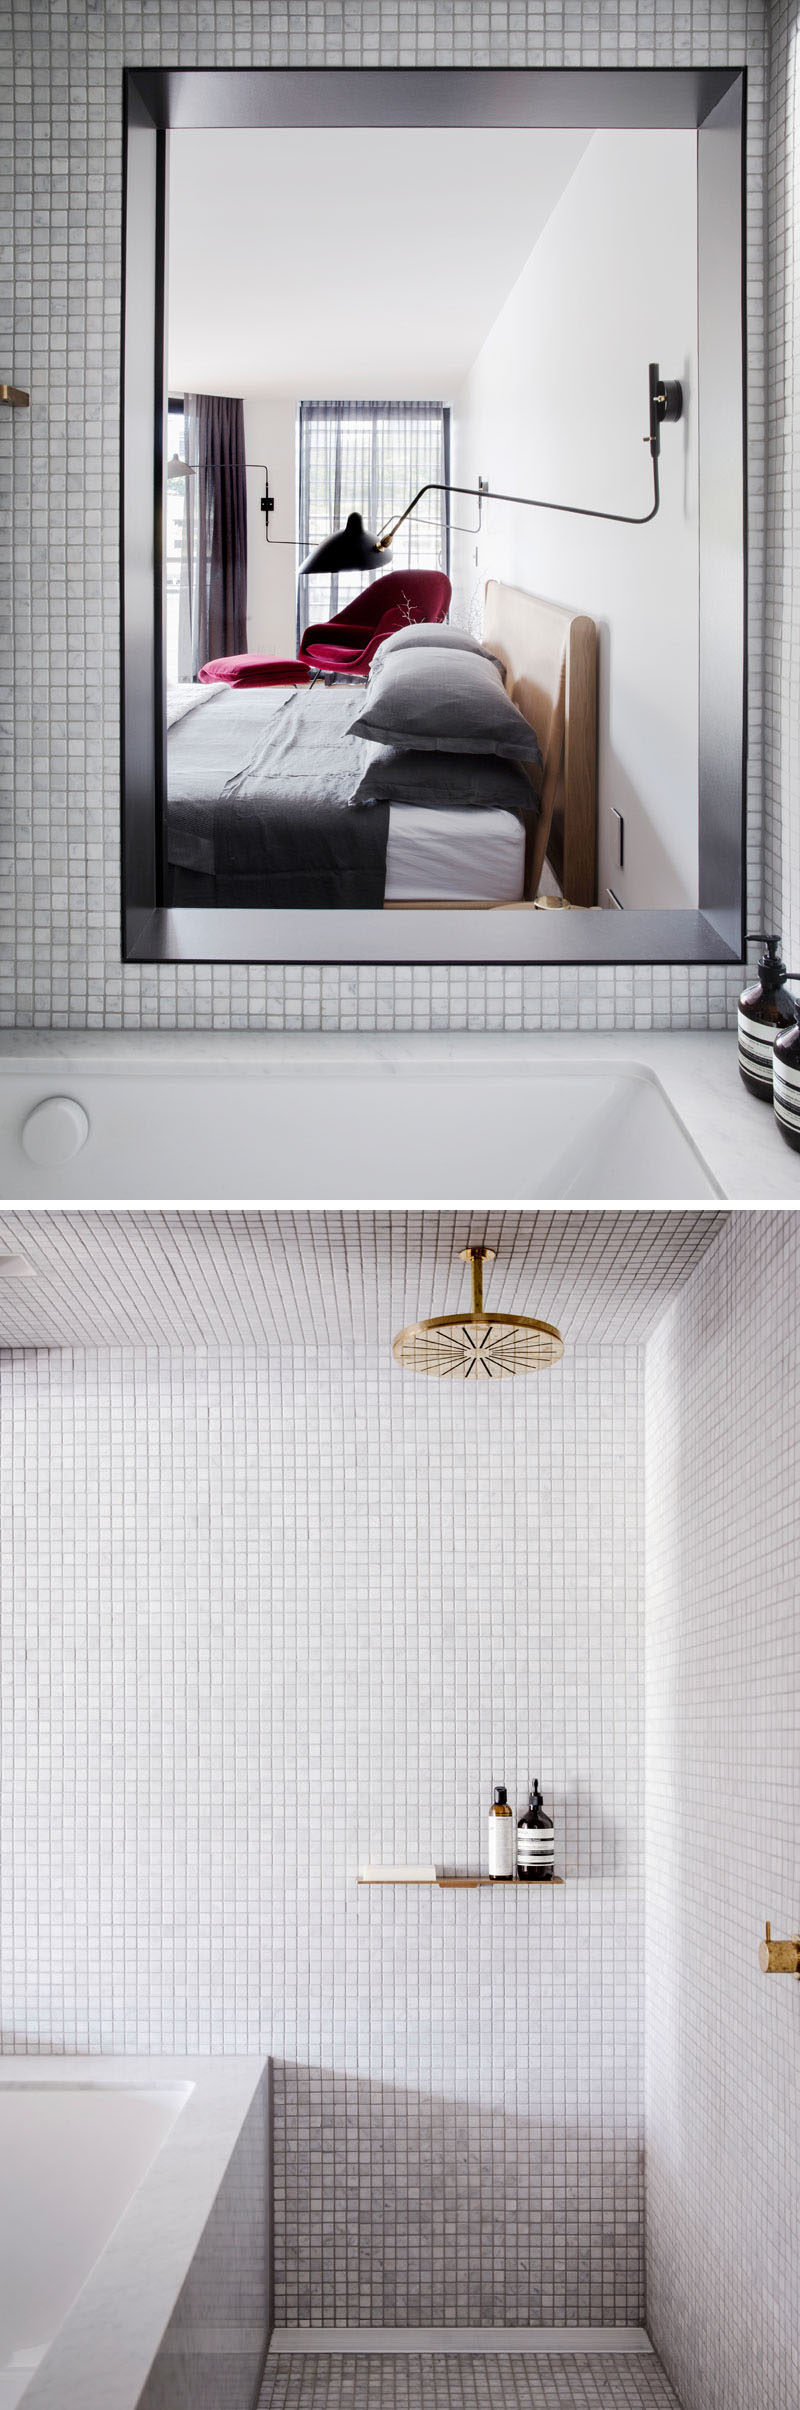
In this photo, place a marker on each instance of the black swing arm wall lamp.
(351, 547)
(178, 467)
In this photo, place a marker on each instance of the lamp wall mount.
(267, 503)
(666, 405)
(14, 397)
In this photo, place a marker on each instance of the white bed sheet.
(435, 853)
(439, 854)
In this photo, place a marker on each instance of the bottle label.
(535, 1848)
(501, 1845)
(756, 1041)
(786, 1095)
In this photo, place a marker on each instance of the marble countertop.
(737, 1137)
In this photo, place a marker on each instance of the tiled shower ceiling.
(341, 1280)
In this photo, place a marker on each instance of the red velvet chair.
(350, 640)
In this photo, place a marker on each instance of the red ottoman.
(255, 669)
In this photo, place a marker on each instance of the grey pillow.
(461, 778)
(428, 632)
(431, 700)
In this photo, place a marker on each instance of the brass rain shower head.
(478, 1346)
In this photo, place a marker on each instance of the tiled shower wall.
(782, 650)
(722, 1748)
(267, 1616)
(59, 668)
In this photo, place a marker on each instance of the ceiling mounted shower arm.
(477, 1257)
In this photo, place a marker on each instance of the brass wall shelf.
(453, 1882)
(474, 1882)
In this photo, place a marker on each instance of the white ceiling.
(349, 262)
(333, 1280)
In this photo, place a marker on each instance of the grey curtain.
(213, 595)
(370, 457)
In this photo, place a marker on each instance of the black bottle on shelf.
(765, 1008)
(535, 1842)
(786, 1079)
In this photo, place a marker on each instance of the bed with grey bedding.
(258, 807)
(280, 798)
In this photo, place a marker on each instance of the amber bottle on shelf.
(535, 1842)
(501, 1837)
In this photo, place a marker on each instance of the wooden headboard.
(550, 660)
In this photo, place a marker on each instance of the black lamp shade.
(350, 548)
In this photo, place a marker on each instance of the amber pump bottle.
(535, 1842)
(765, 1008)
(786, 1079)
(501, 1837)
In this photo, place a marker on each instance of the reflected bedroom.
(431, 557)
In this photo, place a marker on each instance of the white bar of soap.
(398, 1874)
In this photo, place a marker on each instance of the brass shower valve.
(779, 1957)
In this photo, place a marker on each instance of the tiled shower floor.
(491, 2381)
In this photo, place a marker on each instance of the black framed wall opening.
(712, 102)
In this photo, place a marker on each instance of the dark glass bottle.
(764, 1009)
(786, 1079)
(535, 1842)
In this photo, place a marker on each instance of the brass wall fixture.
(479, 1346)
(779, 1957)
(14, 397)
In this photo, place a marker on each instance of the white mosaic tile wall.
(723, 1805)
(60, 114)
(782, 657)
(266, 1615)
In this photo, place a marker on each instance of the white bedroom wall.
(556, 403)
(269, 429)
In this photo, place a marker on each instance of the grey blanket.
(259, 800)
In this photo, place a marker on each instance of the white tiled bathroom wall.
(59, 667)
(268, 1611)
(782, 616)
(269, 1614)
(722, 1750)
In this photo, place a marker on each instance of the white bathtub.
(72, 2158)
(443, 1117)
(112, 2171)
